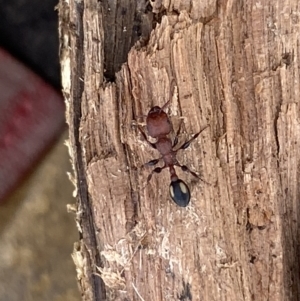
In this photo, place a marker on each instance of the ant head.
(180, 193)
(154, 110)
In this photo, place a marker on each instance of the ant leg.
(172, 89)
(155, 170)
(152, 162)
(165, 105)
(145, 137)
(177, 134)
(186, 169)
(187, 143)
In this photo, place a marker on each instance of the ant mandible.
(159, 126)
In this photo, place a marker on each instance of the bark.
(235, 65)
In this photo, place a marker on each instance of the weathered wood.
(236, 67)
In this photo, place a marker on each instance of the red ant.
(159, 126)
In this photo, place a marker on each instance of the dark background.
(29, 31)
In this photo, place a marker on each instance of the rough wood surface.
(236, 68)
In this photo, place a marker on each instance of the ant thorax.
(164, 145)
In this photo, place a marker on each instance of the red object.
(31, 117)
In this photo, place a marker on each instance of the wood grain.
(235, 66)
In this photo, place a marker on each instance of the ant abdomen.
(180, 193)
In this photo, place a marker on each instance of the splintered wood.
(237, 72)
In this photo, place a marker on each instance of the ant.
(159, 126)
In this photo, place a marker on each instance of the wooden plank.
(236, 68)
